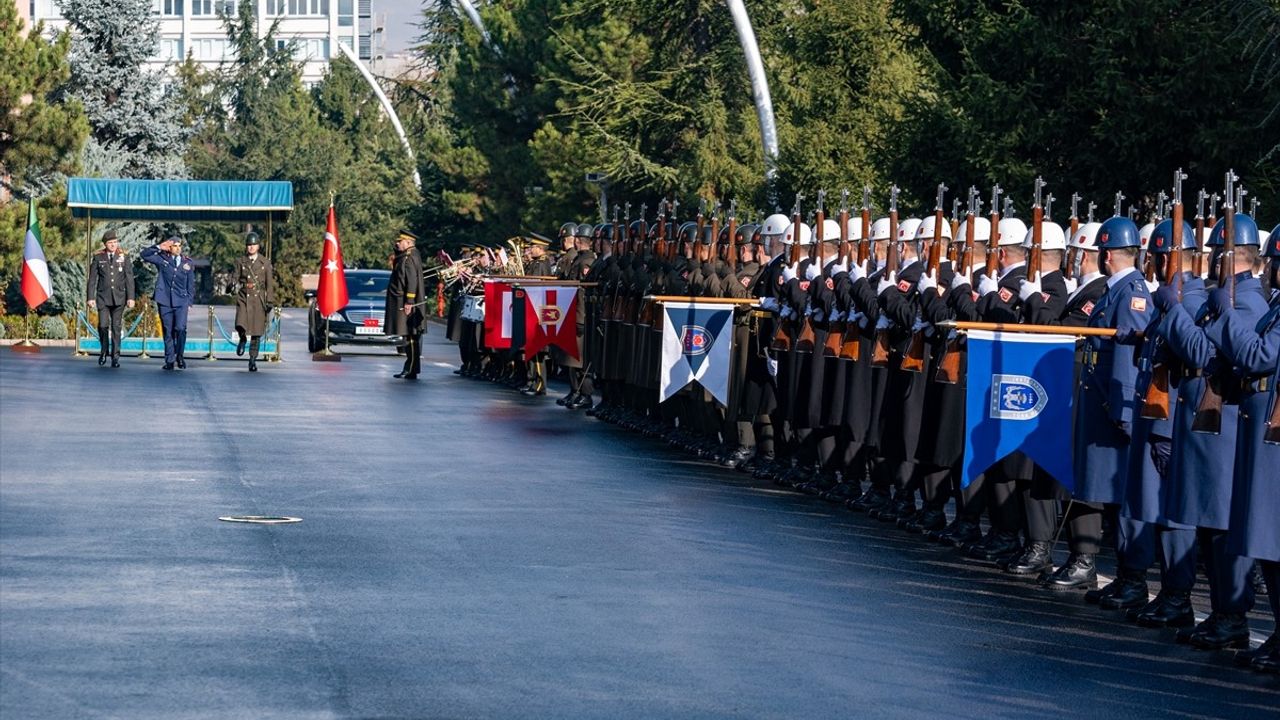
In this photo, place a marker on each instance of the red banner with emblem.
(497, 314)
(550, 318)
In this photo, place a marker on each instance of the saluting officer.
(110, 291)
(254, 279)
(405, 290)
(174, 293)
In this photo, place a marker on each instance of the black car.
(361, 321)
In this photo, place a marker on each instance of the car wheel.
(314, 343)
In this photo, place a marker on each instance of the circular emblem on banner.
(548, 315)
(1017, 397)
(695, 339)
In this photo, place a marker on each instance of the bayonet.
(1120, 197)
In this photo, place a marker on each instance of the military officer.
(405, 293)
(110, 291)
(174, 293)
(580, 389)
(537, 264)
(254, 281)
(1202, 463)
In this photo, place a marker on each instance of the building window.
(209, 49)
(171, 49)
(346, 13)
(306, 49)
(227, 7)
(297, 7)
(201, 7)
(167, 8)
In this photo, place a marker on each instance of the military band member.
(174, 293)
(405, 293)
(110, 291)
(254, 280)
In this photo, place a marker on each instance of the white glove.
(789, 273)
(772, 364)
(1072, 284)
(839, 268)
(926, 283)
(857, 272)
(961, 279)
(769, 303)
(1029, 288)
(812, 271)
(840, 316)
(988, 285)
(1152, 285)
(818, 315)
(787, 312)
(885, 284)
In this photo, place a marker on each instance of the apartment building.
(193, 28)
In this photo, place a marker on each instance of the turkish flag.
(331, 294)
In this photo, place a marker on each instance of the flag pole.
(26, 346)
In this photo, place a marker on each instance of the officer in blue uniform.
(175, 291)
(1105, 409)
(1201, 472)
(1153, 446)
(1254, 351)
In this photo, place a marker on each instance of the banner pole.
(1030, 329)
(210, 323)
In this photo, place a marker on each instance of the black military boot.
(1033, 560)
(1131, 593)
(253, 365)
(1096, 595)
(1079, 571)
(738, 457)
(1171, 608)
(102, 352)
(902, 506)
(1269, 663)
(182, 347)
(240, 344)
(996, 545)
(1230, 630)
(870, 500)
(962, 531)
(843, 492)
(927, 520)
(1245, 658)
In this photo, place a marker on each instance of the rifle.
(880, 358)
(850, 345)
(993, 244)
(611, 304)
(673, 246)
(1069, 270)
(733, 237)
(785, 333)
(837, 329)
(1155, 402)
(660, 245)
(1208, 417)
(715, 234)
(949, 366)
(806, 341)
(1037, 232)
(1197, 260)
(913, 361)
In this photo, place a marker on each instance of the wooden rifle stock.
(837, 329)
(913, 361)
(805, 342)
(880, 356)
(851, 342)
(1208, 417)
(1155, 402)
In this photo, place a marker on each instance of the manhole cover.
(261, 519)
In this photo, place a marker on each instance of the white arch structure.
(386, 107)
(759, 87)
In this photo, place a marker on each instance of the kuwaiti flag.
(550, 318)
(697, 340)
(36, 288)
(1020, 393)
(497, 314)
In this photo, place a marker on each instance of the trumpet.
(448, 270)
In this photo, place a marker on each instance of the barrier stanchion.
(146, 329)
(276, 318)
(210, 356)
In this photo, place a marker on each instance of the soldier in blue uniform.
(1105, 401)
(175, 291)
(1201, 471)
(1153, 446)
(1254, 350)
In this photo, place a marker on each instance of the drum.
(473, 308)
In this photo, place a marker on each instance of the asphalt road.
(466, 552)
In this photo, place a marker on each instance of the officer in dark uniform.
(537, 264)
(580, 389)
(761, 389)
(748, 362)
(110, 291)
(254, 280)
(174, 293)
(405, 292)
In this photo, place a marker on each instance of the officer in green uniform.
(254, 280)
(110, 291)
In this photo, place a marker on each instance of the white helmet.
(806, 235)
(855, 228)
(880, 229)
(907, 229)
(925, 231)
(1144, 235)
(981, 230)
(1052, 237)
(830, 230)
(1086, 236)
(1012, 230)
(1264, 237)
(775, 224)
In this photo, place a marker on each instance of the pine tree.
(135, 124)
(40, 132)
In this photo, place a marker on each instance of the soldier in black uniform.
(580, 389)
(110, 291)
(405, 290)
(254, 281)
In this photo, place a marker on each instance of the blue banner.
(696, 342)
(1020, 393)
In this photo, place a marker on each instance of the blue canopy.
(179, 200)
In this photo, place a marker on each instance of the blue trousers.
(1229, 588)
(173, 325)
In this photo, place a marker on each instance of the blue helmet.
(1272, 250)
(1118, 232)
(1162, 237)
(1246, 231)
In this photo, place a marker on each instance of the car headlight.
(336, 316)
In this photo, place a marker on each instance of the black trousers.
(413, 353)
(110, 321)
